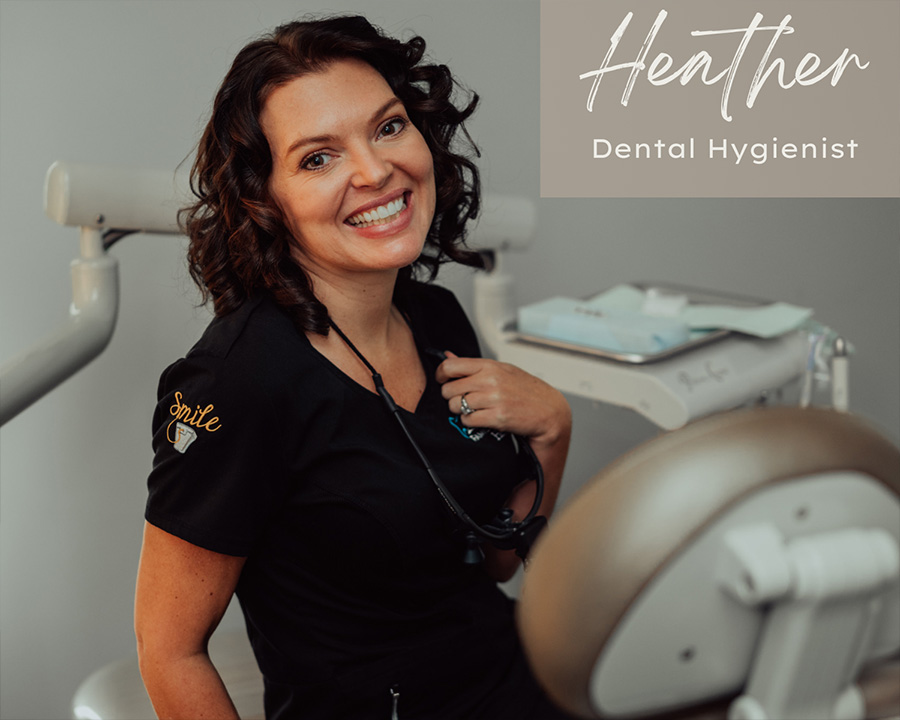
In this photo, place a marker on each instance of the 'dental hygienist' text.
(723, 149)
(659, 71)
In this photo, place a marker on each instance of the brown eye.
(316, 161)
(394, 126)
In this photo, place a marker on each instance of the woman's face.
(353, 177)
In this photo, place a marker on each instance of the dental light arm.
(111, 197)
(92, 317)
(92, 198)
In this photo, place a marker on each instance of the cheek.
(278, 201)
(427, 164)
(297, 208)
(426, 173)
(288, 219)
(421, 162)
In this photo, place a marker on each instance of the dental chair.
(745, 566)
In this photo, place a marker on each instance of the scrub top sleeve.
(218, 456)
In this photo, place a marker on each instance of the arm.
(506, 398)
(182, 593)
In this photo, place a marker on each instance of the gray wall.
(129, 82)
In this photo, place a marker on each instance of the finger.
(457, 367)
(471, 383)
(456, 388)
(465, 405)
(483, 418)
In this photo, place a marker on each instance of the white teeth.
(380, 215)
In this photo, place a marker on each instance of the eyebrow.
(324, 139)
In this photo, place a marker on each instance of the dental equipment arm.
(92, 198)
(92, 318)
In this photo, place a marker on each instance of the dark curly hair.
(239, 243)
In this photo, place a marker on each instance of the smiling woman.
(327, 180)
(351, 174)
(240, 241)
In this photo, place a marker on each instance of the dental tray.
(695, 296)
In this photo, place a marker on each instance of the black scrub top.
(354, 592)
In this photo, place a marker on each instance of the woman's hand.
(504, 397)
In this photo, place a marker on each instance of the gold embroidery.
(183, 413)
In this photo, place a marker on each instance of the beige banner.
(705, 98)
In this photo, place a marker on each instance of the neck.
(362, 307)
(365, 313)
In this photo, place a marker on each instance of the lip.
(383, 200)
(399, 224)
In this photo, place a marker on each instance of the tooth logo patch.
(182, 430)
(184, 436)
(474, 434)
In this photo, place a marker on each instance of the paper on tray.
(611, 329)
(763, 321)
(766, 321)
(617, 320)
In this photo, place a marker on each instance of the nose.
(371, 168)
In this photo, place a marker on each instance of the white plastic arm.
(92, 197)
(826, 593)
(104, 196)
(92, 318)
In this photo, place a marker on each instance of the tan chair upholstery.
(624, 526)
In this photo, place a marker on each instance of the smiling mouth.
(380, 215)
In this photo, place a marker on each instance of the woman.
(326, 178)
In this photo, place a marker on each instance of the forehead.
(326, 102)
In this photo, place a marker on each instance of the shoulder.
(258, 323)
(243, 357)
(226, 424)
(253, 340)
